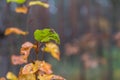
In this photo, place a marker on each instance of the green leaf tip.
(46, 35)
(16, 1)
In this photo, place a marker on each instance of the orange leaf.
(23, 10)
(11, 30)
(53, 49)
(18, 60)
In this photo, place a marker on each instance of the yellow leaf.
(14, 30)
(41, 66)
(50, 77)
(11, 76)
(44, 67)
(26, 76)
(29, 69)
(53, 49)
(31, 3)
(23, 10)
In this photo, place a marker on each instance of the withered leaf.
(25, 49)
(29, 69)
(18, 60)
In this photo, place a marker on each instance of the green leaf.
(16, 1)
(46, 35)
(37, 35)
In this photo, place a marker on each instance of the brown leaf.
(23, 10)
(14, 30)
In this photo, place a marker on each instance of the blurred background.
(89, 31)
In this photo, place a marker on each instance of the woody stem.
(37, 50)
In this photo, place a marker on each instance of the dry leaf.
(50, 77)
(26, 76)
(29, 69)
(11, 76)
(23, 10)
(44, 67)
(53, 49)
(25, 49)
(18, 31)
(18, 60)
(32, 3)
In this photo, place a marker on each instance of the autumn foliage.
(46, 41)
(36, 69)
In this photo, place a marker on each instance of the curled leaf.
(25, 49)
(53, 49)
(18, 60)
(23, 10)
(16, 1)
(31, 3)
(14, 30)
(11, 76)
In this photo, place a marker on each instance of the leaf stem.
(37, 50)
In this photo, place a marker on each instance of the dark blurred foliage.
(89, 32)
